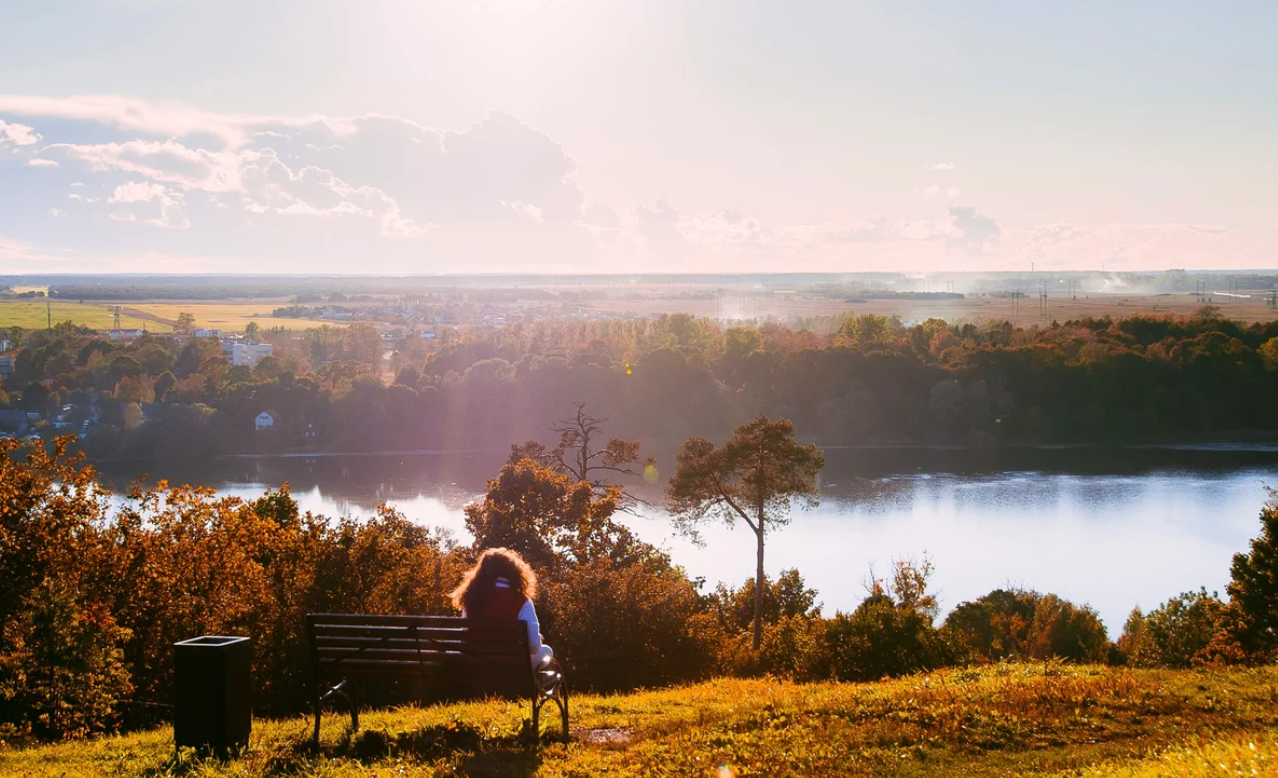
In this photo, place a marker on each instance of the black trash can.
(212, 693)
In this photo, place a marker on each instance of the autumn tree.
(753, 478)
(185, 323)
(550, 518)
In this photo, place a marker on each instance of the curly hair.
(480, 580)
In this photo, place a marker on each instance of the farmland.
(32, 314)
(158, 317)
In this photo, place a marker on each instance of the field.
(1039, 720)
(159, 317)
(228, 316)
(32, 315)
(972, 308)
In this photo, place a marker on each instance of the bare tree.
(580, 455)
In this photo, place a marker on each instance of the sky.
(616, 136)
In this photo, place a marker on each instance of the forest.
(856, 380)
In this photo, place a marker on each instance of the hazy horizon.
(549, 137)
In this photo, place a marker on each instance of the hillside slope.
(1042, 720)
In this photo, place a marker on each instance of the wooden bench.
(478, 656)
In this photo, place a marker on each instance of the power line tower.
(116, 323)
(48, 310)
(1042, 301)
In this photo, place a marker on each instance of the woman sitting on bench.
(501, 586)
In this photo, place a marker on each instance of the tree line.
(859, 379)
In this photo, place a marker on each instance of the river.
(1111, 527)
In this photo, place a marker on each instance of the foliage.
(626, 626)
(1019, 624)
(660, 381)
(753, 478)
(61, 670)
(1175, 634)
(1250, 621)
(891, 632)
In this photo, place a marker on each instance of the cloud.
(160, 206)
(381, 193)
(57, 212)
(971, 231)
(136, 192)
(18, 134)
(935, 191)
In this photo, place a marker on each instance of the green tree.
(1173, 635)
(185, 323)
(251, 330)
(753, 478)
(1250, 620)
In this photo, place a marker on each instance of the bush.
(1016, 624)
(890, 633)
(1062, 630)
(61, 673)
(1174, 635)
(622, 627)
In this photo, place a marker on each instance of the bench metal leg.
(319, 700)
(340, 690)
(552, 687)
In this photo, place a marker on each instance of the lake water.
(1113, 528)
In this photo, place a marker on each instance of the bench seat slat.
(490, 629)
(470, 646)
(412, 655)
(446, 622)
(406, 666)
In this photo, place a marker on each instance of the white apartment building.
(249, 353)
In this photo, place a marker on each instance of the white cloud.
(940, 166)
(77, 183)
(79, 198)
(136, 192)
(41, 163)
(57, 212)
(925, 193)
(18, 134)
(166, 205)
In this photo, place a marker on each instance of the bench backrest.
(346, 645)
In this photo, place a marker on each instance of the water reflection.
(1111, 527)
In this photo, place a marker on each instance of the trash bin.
(212, 693)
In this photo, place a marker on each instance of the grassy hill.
(1024, 720)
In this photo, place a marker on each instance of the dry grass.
(1041, 720)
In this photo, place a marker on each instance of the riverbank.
(1039, 720)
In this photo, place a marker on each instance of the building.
(125, 334)
(14, 422)
(249, 353)
(206, 333)
(264, 420)
(6, 365)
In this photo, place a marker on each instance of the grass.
(32, 315)
(1040, 720)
